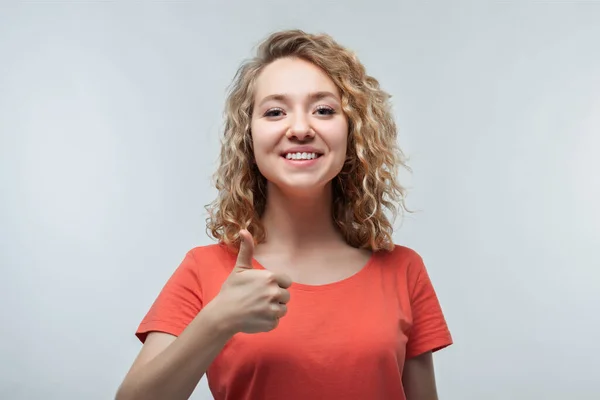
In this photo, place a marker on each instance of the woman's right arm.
(249, 301)
(170, 367)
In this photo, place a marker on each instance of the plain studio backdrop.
(110, 116)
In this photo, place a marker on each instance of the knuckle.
(271, 277)
(273, 294)
(275, 323)
(269, 310)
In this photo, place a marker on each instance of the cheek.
(264, 136)
(340, 140)
(258, 145)
(264, 139)
(341, 156)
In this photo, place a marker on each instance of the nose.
(300, 128)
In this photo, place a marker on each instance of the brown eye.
(323, 110)
(274, 112)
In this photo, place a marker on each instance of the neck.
(295, 223)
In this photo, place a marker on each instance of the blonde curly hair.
(366, 187)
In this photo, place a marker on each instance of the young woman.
(304, 296)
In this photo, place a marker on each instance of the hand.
(253, 300)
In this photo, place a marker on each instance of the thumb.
(246, 253)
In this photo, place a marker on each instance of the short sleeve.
(429, 330)
(178, 303)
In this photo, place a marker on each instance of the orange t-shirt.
(344, 340)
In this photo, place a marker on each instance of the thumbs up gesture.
(253, 300)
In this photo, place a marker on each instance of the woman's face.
(299, 131)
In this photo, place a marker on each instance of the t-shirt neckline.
(332, 285)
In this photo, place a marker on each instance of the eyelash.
(330, 111)
(270, 111)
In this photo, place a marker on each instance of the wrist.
(220, 319)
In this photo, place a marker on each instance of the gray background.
(109, 123)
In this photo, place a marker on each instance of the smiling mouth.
(301, 156)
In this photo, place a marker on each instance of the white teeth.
(300, 156)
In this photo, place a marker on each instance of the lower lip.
(302, 163)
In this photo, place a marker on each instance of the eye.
(324, 110)
(274, 112)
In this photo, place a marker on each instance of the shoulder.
(196, 262)
(211, 252)
(203, 261)
(400, 257)
(210, 259)
(403, 263)
(211, 265)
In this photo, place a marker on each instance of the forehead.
(292, 76)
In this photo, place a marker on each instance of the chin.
(302, 188)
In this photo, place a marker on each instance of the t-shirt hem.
(431, 345)
(157, 326)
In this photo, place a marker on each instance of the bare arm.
(419, 378)
(170, 367)
(249, 301)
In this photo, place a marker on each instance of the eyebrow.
(312, 96)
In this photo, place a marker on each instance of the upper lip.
(301, 149)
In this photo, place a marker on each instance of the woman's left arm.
(418, 378)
